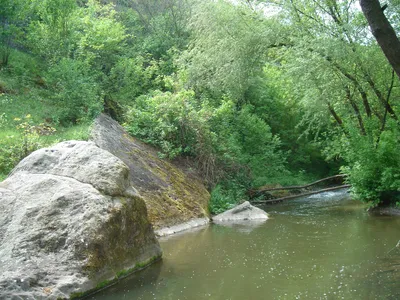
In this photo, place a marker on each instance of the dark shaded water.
(321, 247)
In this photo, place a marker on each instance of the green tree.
(344, 82)
(228, 48)
(62, 29)
(75, 91)
(163, 24)
(51, 29)
(100, 37)
(11, 23)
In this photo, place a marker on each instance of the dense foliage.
(252, 92)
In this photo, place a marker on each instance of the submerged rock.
(244, 211)
(194, 223)
(70, 222)
(243, 226)
(172, 194)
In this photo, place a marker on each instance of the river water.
(321, 247)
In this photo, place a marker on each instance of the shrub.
(14, 148)
(75, 92)
(222, 139)
(132, 77)
(170, 121)
(374, 168)
(225, 196)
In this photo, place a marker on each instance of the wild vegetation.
(253, 92)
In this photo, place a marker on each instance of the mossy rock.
(172, 194)
(70, 224)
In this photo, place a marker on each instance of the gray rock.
(174, 194)
(82, 161)
(244, 211)
(68, 221)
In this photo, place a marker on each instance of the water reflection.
(312, 248)
(244, 226)
(149, 277)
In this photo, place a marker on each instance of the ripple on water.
(315, 248)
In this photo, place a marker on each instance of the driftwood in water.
(298, 187)
(302, 195)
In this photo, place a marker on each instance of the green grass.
(76, 132)
(12, 143)
(24, 100)
(22, 90)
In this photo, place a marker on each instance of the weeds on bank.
(27, 136)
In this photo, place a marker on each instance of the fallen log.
(294, 187)
(302, 195)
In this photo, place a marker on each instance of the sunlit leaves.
(229, 47)
(87, 33)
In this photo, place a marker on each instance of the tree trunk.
(335, 115)
(383, 32)
(356, 111)
(355, 82)
(381, 98)
(299, 187)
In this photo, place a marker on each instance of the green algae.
(119, 275)
(121, 239)
(182, 199)
(124, 238)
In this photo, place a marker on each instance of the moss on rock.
(172, 194)
(120, 275)
(123, 238)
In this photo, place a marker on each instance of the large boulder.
(70, 222)
(173, 195)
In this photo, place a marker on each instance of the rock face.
(69, 220)
(244, 211)
(172, 196)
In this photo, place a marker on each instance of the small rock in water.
(244, 211)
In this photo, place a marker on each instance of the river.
(321, 247)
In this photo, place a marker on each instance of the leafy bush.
(225, 196)
(171, 121)
(374, 168)
(223, 141)
(260, 149)
(13, 148)
(75, 91)
(132, 77)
